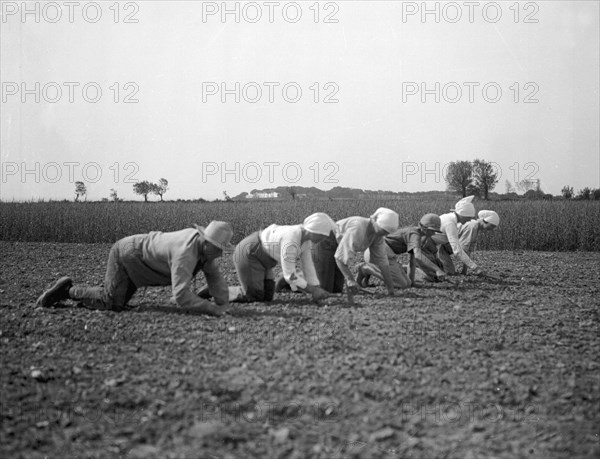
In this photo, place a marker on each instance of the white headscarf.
(319, 223)
(465, 207)
(489, 216)
(386, 219)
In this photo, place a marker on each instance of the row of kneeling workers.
(314, 258)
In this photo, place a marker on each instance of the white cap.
(489, 216)
(319, 223)
(465, 207)
(386, 219)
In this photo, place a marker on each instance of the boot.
(269, 285)
(58, 292)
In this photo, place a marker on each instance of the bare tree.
(80, 190)
(484, 176)
(113, 195)
(459, 176)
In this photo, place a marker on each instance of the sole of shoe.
(55, 293)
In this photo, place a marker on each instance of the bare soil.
(502, 369)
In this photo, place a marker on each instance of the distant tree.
(475, 190)
(584, 194)
(143, 188)
(113, 195)
(292, 191)
(227, 197)
(567, 192)
(511, 196)
(459, 176)
(484, 177)
(160, 188)
(80, 190)
(534, 194)
(596, 194)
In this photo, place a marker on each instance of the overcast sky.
(329, 95)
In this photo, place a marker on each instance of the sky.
(235, 96)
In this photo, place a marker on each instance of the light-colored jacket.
(355, 235)
(450, 229)
(283, 244)
(467, 235)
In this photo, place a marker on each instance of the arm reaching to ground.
(417, 254)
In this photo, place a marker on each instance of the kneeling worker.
(405, 240)
(156, 259)
(288, 245)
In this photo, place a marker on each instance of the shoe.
(59, 291)
(204, 293)
(269, 289)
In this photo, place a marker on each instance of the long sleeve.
(284, 245)
(308, 265)
(290, 252)
(182, 272)
(351, 237)
(378, 252)
(355, 235)
(467, 235)
(449, 227)
(217, 285)
(346, 250)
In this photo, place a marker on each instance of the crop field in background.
(525, 225)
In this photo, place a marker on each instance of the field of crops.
(525, 225)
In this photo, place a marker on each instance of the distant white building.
(263, 195)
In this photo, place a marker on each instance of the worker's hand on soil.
(479, 272)
(441, 276)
